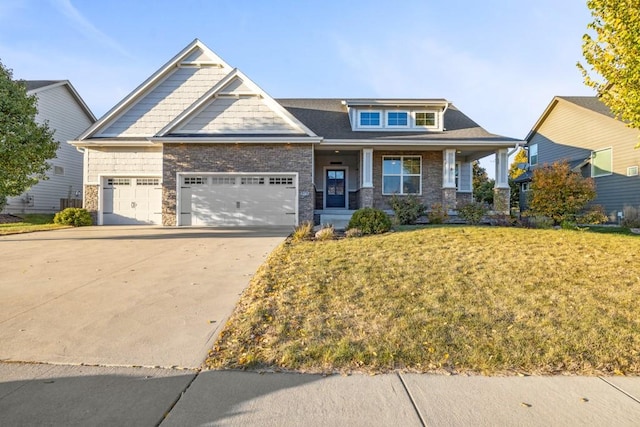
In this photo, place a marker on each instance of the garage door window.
(195, 180)
(278, 180)
(252, 180)
(222, 180)
(148, 181)
(119, 181)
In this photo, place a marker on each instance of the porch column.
(366, 189)
(501, 190)
(449, 178)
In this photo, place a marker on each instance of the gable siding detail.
(572, 133)
(69, 120)
(246, 114)
(122, 161)
(165, 102)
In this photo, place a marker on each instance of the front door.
(335, 190)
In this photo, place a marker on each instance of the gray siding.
(245, 114)
(165, 102)
(571, 133)
(68, 118)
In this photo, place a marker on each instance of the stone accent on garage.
(431, 177)
(264, 158)
(90, 202)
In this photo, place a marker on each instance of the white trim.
(367, 168)
(632, 171)
(346, 185)
(449, 168)
(592, 165)
(502, 169)
(529, 154)
(239, 139)
(402, 175)
(74, 94)
(296, 180)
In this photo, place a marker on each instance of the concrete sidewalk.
(80, 395)
(242, 399)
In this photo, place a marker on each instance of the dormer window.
(369, 119)
(397, 119)
(426, 119)
(397, 115)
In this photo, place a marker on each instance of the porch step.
(338, 220)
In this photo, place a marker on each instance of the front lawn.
(459, 299)
(28, 223)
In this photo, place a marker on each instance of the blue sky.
(499, 61)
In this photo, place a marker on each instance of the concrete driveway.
(123, 296)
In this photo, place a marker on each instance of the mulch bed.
(8, 218)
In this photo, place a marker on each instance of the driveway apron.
(123, 296)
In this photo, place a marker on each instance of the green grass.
(483, 300)
(30, 222)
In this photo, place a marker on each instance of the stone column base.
(501, 199)
(90, 201)
(449, 198)
(366, 197)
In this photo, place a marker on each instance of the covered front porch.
(349, 178)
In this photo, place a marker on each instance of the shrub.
(537, 222)
(558, 193)
(438, 214)
(353, 232)
(76, 217)
(407, 209)
(326, 233)
(630, 217)
(370, 221)
(595, 215)
(302, 232)
(472, 212)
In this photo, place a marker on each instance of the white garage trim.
(102, 178)
(181, 176)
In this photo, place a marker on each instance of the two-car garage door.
(238, 199)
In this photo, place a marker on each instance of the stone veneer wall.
(501, 200)
(431, 176)
(464, 198)
(237, 158)
(90, 201)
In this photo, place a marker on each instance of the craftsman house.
(200, 144)
(582, 131)
(66, 113)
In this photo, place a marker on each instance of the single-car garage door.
(131, 200)
(238, 199)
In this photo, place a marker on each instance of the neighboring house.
(199, 143)
(66, 113)
(584, 132)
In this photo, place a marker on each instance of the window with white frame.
(397, 119)
(533, 154)
(401, 175)
(425, 119)
(601, 163)
(369, 119)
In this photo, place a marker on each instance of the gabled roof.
(158, 76)
(36, 86)
(591, 103)
(253, 89)
(329, 118)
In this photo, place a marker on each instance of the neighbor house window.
(425, 119)
(370, 118)
(401, 175)
(601, 163)
(397, 119)
(58, 170)
(533, 154)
